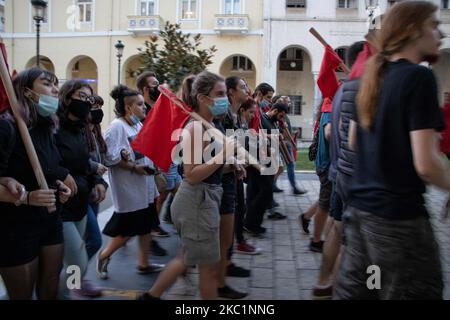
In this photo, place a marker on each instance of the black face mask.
(96, 116)
(154, 94)
(80, 109)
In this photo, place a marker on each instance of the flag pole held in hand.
(23, 130)
(318, 36)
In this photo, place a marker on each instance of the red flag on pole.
(360, 63)
(4, 102)
(327, 81)
(155, 138)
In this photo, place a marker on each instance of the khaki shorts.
(195, 215)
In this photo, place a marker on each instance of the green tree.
(179, 56)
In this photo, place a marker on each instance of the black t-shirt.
(385, 181)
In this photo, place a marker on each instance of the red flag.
(327, 81)
(445, 134)
(255, 122)
(155, 138)
(4, 102)
(360, 63)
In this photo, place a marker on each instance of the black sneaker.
(151, 268)
(304, 223)
(259, 232)
(276, 189)
(239, 272)
(157, 250)
(147, 296)
(297, 191)
(276, 216)
(229, 293)
(316, 246)
(102, 267)
(160, 232)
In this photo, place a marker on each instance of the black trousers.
(259, 197)
(240, 212)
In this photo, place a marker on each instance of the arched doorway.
(44, 62)
(83, 68)
(295, 79)
(239, 66)
(130, 66)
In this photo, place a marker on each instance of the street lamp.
(39, 7)
(119, 46)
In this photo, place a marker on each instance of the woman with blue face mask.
(133, 188)
(31, 237)
(195, 208)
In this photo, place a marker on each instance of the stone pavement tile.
(184, 288)
(262, 278)
(240, 284)
(261, 294)
(283, 239)
(243, 263)
(283, 253)
(305, 294)
(301, 246)
(263, 260)
(285, 269)
(286, 289)
(264, 244)
(309, 261)
(307, 278)
(279, 228)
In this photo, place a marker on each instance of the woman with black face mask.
(75, 105)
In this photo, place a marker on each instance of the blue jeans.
(93, 235)
(291, 168)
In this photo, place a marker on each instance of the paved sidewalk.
(286, 269)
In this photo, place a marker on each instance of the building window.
(85, 10)
(189, 9)
(147, 7)
(372, 3)
(241, 63)
(347, 4)
(296, 109)
(296, 3)
(445, 4)
(232, 6)
(291, 59)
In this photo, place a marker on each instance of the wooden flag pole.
(23, 130)
(217, 133)
(318, 36)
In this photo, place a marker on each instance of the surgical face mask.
(264, 104)
(47, 105)
(135, 119)
(220, 106)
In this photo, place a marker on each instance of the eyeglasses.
(84, 97)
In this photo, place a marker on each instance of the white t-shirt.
(130, 191)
